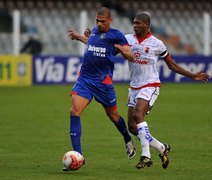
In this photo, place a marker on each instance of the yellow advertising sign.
(15, 70)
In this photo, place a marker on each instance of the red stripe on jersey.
(147, 85)
(107, 80)
(140, 40)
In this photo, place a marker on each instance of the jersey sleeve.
(162, 50)
(128, 37)
(120, 39)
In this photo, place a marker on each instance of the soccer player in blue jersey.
(95, 78)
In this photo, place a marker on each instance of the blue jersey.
(96, 72)
(97, 63)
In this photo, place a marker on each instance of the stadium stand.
(180, 21)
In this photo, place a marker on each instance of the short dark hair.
(104, 11)
(143, 17)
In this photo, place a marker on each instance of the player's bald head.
(143, 17)
(103, 11)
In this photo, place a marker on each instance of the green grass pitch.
(34, 135)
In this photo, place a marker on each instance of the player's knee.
(113, 116)
(75, 112)
(132, 126)
(133, 130)
(138, 117)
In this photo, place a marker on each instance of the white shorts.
(148, 93)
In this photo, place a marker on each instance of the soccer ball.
(72, 160)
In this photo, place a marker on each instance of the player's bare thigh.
(140, 110)
(141, 100)
(78, 104)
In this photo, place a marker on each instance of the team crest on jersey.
(147, 50)
(102, 36)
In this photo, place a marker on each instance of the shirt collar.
(142, 39)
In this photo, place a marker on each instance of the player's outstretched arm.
(74, 35)
(199, 76)
(125, 51)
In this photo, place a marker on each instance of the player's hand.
(74, 35)
(119, 48)
(125, 51)
(201, 76)
(87, 32)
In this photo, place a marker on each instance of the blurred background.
(35, 47)
(184, 26)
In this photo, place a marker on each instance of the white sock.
(145, 138)
(157, 145)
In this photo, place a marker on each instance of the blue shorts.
(103, 93)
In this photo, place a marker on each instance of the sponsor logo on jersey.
(137, 60)
(137, 55)
(97, 51)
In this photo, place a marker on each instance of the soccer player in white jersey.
(145, 84)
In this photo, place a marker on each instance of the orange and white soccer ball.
(72, 160)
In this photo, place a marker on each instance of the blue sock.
(121, 126)
(75, 133)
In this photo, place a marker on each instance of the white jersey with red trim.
(143, 71)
